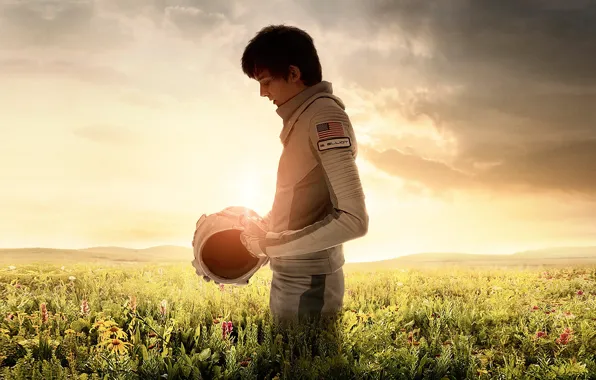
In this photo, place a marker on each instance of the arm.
(349, 219)
(267, 218)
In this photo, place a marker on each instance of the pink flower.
(540, 334)
(221, 287)
(565, 336)
(580, 293)
(44, 313)
(85, 307)
(226, 328)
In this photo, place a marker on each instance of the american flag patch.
(330, 129)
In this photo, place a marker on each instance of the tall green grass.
(163, 322)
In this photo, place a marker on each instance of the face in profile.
(279, 90)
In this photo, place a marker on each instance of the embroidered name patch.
(337, 142)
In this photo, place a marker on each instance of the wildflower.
(569, 314)
(132, 302)
(62, 268)
(72, 278)
(540, 334)
(565, 336)
(412, 339)
(116, 345)
(114, 332)
(226, 328)
(85, 309)
(221, 287)
(98, 324)
(10, 317)
(163, 308)
(12, 267)
(535, 308)
(580, 293)
(44, 313)
(103, 325)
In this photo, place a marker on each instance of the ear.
(294, 73)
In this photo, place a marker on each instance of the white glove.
(253, 236)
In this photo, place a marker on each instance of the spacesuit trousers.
(306, 298)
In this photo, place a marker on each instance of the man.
(319, 201)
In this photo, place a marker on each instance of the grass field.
(152, 321)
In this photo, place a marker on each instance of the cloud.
(433, 174)
(566, 167)
(506, 81)
(74, 24)
(563, 169)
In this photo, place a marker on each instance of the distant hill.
(96, 254)
(541, 257)
(172, 254)
(165, 252)
(559, 252)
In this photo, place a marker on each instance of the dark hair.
(276, 47)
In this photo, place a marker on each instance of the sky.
(123, 121)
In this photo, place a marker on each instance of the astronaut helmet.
(218, 252)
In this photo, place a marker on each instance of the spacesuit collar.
(287, 110)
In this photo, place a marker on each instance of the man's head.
(283, 59)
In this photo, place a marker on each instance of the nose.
(263, 91)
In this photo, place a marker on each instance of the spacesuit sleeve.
(332, 142)
(267, 218)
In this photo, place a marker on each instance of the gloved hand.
(253, 236)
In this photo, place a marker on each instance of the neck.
(297, 89)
